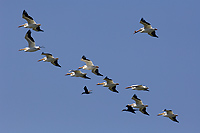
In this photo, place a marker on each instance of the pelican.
(50, 58)
(31, 43)
(86, 91)
(139, 104)
(110, 84)
(169, 114)
(90, 66)
(130, 109)
(147, 28)
(138, 87)
(77, 73)
(31, 23)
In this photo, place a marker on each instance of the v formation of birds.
(137, 106)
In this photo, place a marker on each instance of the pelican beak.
(21, 26)
(40, 59)
(117, 83)
(156, 29)
(21, 49)
(160, 114)
(97, 66)
(39, 24)
(80, 67)
(67, 74)
(128, 87)
(99, 83)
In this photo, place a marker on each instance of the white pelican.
(86, 91)
(130, 109)
(169, 114)
(110, 84)
(138, 87)
(90, 66)
(139, 104)
(50, 58)
(147, 28)
(31, 43)
(31, 23)
(77, 73)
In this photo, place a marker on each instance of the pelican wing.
(87, 61)
(55, 63)
(28, 18)
(173, 119)
(109, 81)
(145, 23)
(86, 90)
(169, 111)
(143, 110)
(96, 71)
(137, 100)
(113, 89)
(47, 55)
(29, 39)
(153, 34)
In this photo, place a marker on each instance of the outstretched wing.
(143, 110)
(145, 23)
(153, 34)
(174, 119)
(28, 18)
(113, 89)
(29, 39)
(48, 55)
(55, 63)
(87, 61)
(137, 100)
(96, 71)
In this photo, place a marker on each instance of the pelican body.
(169, 114)
(147, 28)
(139, 104)
(77, 73)
(31, 23)
(90, 66)
(138, 87)
(31, 43)
(50, 58)
(110, 84)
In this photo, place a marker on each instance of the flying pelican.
(130, 109)
(169, 114)
(31, 43)
(77, 73)
(90, 66)
(109, 83)
(50, 58)
(139, 104)
(147, 28)
(86, 91)
(138, 87)
(31, 23)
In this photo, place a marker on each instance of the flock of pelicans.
(90, 66)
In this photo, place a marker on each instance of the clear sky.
(37, 97)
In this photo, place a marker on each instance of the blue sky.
(38, 97)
